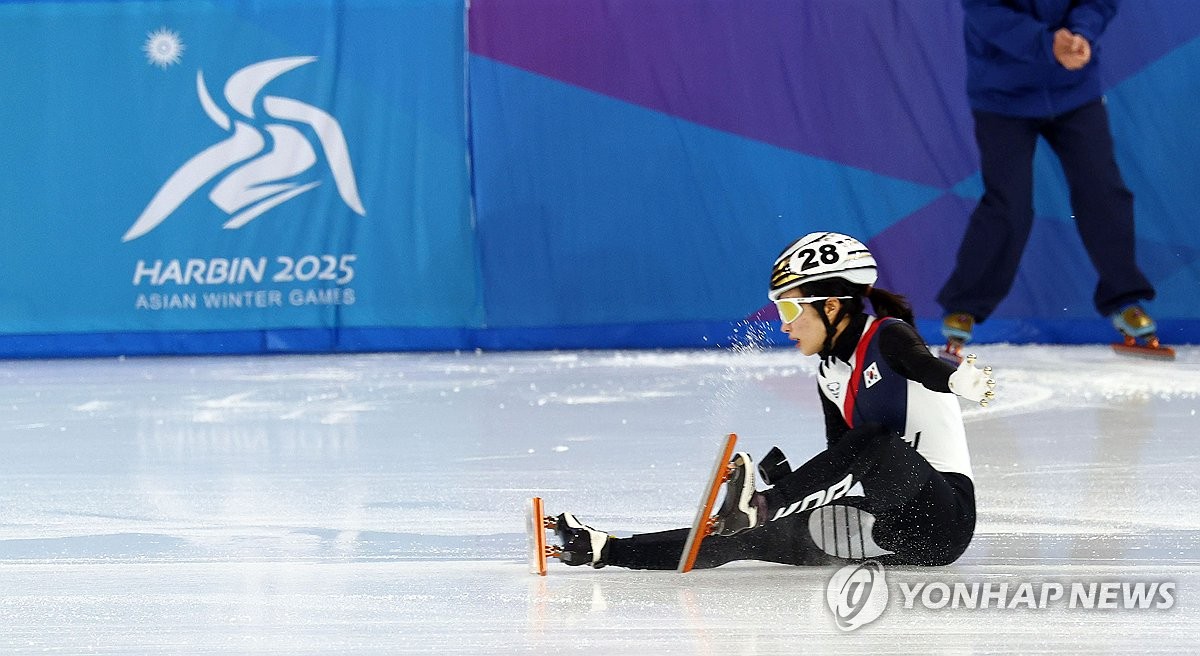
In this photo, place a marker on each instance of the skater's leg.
(786, 542)
(660, 550)
(1103, 205)
(889, 470)
(924, 516)
(999, 227)
(844, 532)
(934, 528)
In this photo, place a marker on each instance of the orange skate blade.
(535, 528)
(1145, 351)
(701, 526)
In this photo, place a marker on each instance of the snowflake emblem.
(163, 47)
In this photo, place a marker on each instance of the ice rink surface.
(374, 504)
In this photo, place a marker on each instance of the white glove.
(973, 384)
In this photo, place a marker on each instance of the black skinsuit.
(870, 494)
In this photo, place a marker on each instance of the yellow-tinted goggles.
(790, 309)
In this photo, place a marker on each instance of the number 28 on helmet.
(822, 256)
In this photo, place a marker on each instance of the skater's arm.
(907, 354)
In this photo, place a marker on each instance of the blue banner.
(216, 167)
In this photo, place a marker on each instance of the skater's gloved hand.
(973, 384)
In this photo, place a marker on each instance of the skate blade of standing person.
(951, 351)
(956, 328)
(1140, 335)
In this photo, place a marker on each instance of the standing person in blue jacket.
(1032, 71)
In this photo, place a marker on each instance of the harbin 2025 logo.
(264, 161)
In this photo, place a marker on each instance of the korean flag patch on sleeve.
(871, 375)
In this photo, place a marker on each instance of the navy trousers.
(999, 227)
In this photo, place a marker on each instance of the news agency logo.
(857, 594)
(1090, 595)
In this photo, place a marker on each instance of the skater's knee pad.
(845, 532)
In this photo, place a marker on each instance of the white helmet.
(822, 256)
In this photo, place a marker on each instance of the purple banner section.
(1142, 32)
(866, 83)
(872, 84)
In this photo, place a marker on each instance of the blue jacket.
(1011, 68)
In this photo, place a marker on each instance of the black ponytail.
(889, 304)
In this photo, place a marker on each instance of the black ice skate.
(739, 510)
(581, 544)
(1140, 334)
